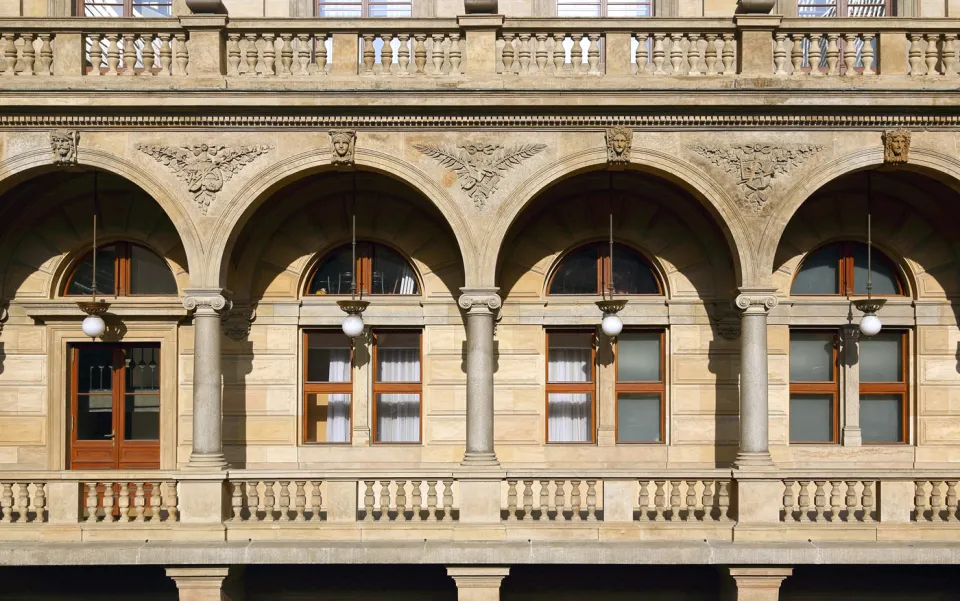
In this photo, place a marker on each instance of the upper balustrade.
(478, 52)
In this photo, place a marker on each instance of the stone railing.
(831, 500)
(684, 500)
(552, 499)
(121, 501)
(936, 501)
(22, 501)
(282, 500)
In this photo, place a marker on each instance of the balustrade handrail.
(91, 475)
(604, 25)
(343, 25)
(43, 24)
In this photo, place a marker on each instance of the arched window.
(841, 268)
(586, 270)
(123, 269)
(379, 269)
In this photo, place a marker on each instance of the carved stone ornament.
(726, 321)
(238, 320)
(755, 303)
(755, 166)
(344, 142)
(470, 301)
(479, 167)
(619, 144)
(896, 146)
(64, 143)
(206, 303)
(204, 167)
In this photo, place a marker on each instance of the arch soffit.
(241, 207)
(687, 176)
(929, 162)
(18, 169)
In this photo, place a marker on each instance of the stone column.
(480, 305)
(754, 305)
(759, 583)
(207, 453)
(850, 366)
(205, 584)
(478, 583)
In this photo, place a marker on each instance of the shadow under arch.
(36, 163)
(689, 178)
(936, 165)
(289, 171)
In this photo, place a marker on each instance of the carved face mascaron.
(343, 142)
(619, 143)
(64, 146)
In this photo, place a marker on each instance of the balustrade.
(135, 53)
(26, 53)
(551, 499)
(422, 500)
(683, 53)
(549, 53)
(22, 502)
(833, 53)
(123, 502)
(830, 500)
(402, 54)
(933, 54)
(683, 500)
(279, 53)
(280, 500)
(935, 501)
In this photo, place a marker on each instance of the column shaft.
(754, 390)
(480, 306)
(207, 404)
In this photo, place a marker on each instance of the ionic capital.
(206, 302)
(479, 299)
(755, 301)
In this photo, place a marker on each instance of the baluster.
(166, 55)
(560, 500)
(835, 499)
(544, 500)
(949, 54)
(710, 54)
(641, 55)
(936, 500)
(868, 501)
(780, 54)
(253, 500)
(659, 500)
(951, 501)
(46, 54)
(252, 55)
(417, 500)
(575, 501)
(385, 500)
(658, 54)
(301, 54)
(527, 499)
(91, 487)
(154, 501)
(8, 45)
(787, 500)
(369, 54)
(816, 54)
(269, 502)
(108, 503)
(691, 501)
(183, 54)
(233, 52)
(819, 499)
(851, 500)
(511, 500)
(431, 500)
(707, 500)
(436, 53)
(676, 53)
(914, 55)
(849, 54)
(139, 503)
(269, 54)
(694, 54)
(286, 54)
(931, 52)
(559, 54)
(316, 500)
(113, 53)
(728, 54)
(284, 500)
(833, 54)
(40, 502)
(593, 54)
(447, 500)
(129, 54)
(29, 53)
(6, 503)
(919, 500)
(419, 52)
(541, 53)
(643, 500)
(524, 52)
(867, 54)
(23, 501)
(455, 54)
(126, 512)
(386, 54)
(803, 501)
(576, 53)
(796, 53)
(401, 500)
(148, 54)
(591, 500)
(368, 501)
(508, 54)
(724, 500)
(236, 501)
(404, 53)
(674, 500)
(320, 67)
(170, 499)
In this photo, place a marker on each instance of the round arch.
(652, 263)
(35, 163)
(937, 165)
(705, 189)
(241, 207)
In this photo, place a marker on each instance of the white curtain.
(569, 413)
(338, 405)
(407, 283)
(398, 415)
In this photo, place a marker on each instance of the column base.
(205, 584)
(752, 461)
(480, 460)
(478, 583)
(759, 584)
(207, 462)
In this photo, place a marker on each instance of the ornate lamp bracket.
(869, 305)
(353, 307)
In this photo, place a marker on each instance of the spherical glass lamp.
(93, 326)
(611, 325)
(870, 324)
(353, 323)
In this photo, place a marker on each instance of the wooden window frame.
(843, 7)
(821, 388)
(395, 387)
(900, 388)
(364, 7)
(845, 285)
(659, 387)
(364, 270)
(604, 273)
(122, 275)
(605, 5)
(571, 387)
(127, 9)
(324, 388)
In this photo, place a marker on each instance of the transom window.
(844, 8)
(586, 270)
(604, 8)
(379, 269)
(123, 269)
(840, 268)
(353, 9)
(126, 8)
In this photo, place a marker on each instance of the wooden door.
(115, 406)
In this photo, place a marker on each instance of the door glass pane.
(82, 281)
(569, 417)
(631, 274)
(335, 273)
(569, 357)
(811, 356)
(638, 358)
(577, 273)
(95, 372)
(811, 418)
(398, 357)
(884, 272)
(328, 357)
(392, 274)
(880, 357)
(398, 417)
(142, 372)
(881, 418)
(141, 417)
(819, 272)
(638, 417)
(328, 417)
(94, 416)
(149, 274)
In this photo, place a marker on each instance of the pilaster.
(477, 583)
(756, 43)
(850, 366)
(481, 37)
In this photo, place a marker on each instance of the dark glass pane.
(884, 272)
(577, 273)
(638, 417)
(811, 356)
(82, 281)
(149, 274)
(638, 357)
(94, 416)
(335, 273)
(95, 370)
(819, 272)
(392, 274)
(328, 357)
(881, 359)
(881, 418)
(631, 274)
(142, 373)
(811, 418)
(142, 417)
